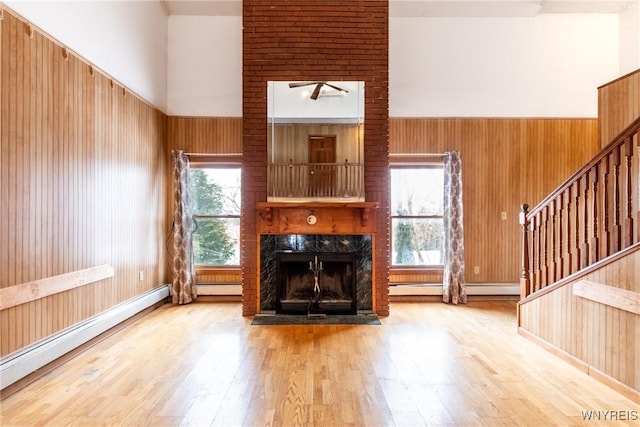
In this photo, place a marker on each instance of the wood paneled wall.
(82, 183)
(618, 105)
(210, 135)
(602, 336)
(505, 163)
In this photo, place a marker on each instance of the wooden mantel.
(315, 217)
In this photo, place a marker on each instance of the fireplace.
(346, 259)
(316, 283)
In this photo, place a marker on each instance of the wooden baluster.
(576, 224)
(560, 263)
(637, 138)
(534, 273)
(274, 180)
(347, 180)
(616, 229)
(290, 183)
(570, 264)
(605, 242)
(524, 272)
(627, 223)
(544, 273)
(552, 242)
(584, 262)
(595, 254)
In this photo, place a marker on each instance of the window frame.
(218, 162)
(427, 161)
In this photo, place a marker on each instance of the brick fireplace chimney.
(315, 41)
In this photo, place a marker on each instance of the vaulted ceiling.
(427, 8)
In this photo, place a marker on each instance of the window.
(216, 196)
(417, 205)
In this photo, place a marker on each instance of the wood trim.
(30, 291)
(608, 295)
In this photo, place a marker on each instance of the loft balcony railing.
(344, 181)
(593, 215)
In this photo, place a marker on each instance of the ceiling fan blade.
(316, 91)
(300, 84)
(339, 89)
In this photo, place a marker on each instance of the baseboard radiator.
(475, 289)
(17, 366)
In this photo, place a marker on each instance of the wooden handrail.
(587, 218)
(30, 291)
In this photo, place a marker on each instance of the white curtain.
(453, 286)
(183, 287)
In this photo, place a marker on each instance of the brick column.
(315, 40)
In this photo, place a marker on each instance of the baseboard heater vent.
(16, 366)
(472, 289)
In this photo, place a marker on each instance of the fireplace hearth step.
(288, 319)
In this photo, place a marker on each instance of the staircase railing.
(591, 216)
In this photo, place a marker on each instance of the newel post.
(524, 273)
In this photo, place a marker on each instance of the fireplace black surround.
(316, 283)
(353, 246)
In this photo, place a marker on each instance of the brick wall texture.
(315, 41)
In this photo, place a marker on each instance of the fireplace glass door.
(308, 282)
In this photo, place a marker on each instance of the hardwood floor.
(427, 364)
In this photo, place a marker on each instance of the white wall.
(125, 39)
(545, 66)
(630, 39)
(205, 66)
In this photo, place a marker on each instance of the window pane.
(216, 241)
(417, 191)
(215, 191)
(417, 241)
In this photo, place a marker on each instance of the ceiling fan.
(319, 85)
